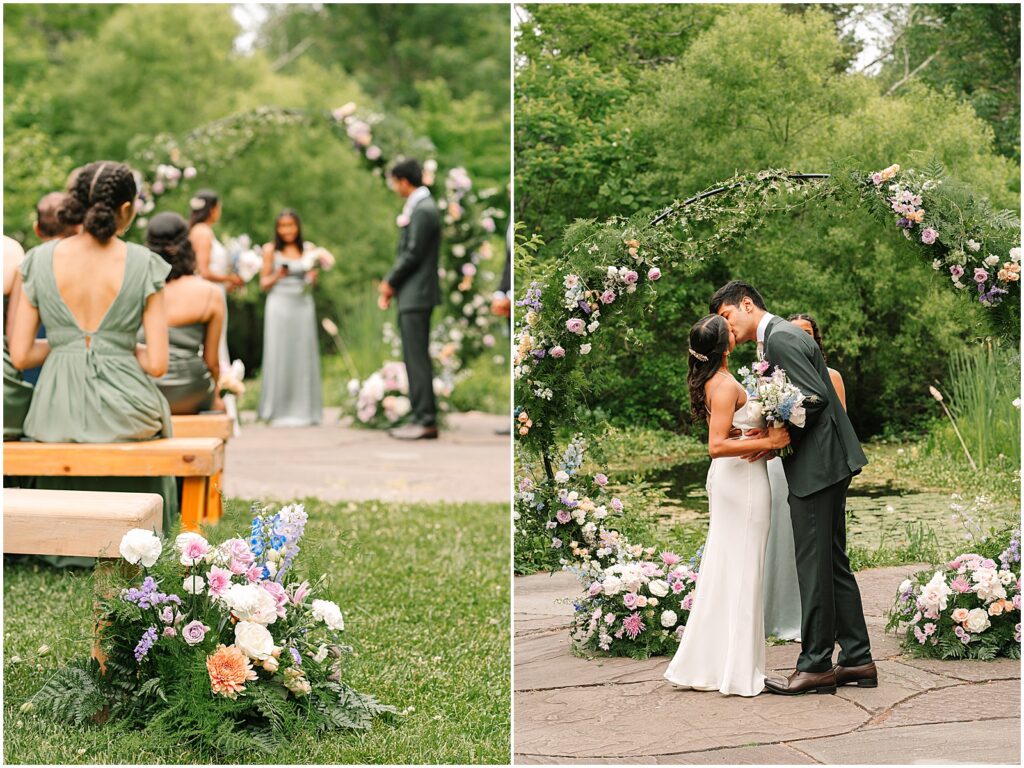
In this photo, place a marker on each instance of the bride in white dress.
(723, 647)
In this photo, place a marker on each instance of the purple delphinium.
(585, 307)
(904, 222)
(539, 354)
(532, 298)
(1012, 552)
(992, 296)
(296, 656)
(147, 641)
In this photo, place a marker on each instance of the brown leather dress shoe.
(414, 432)
(803, 682)
(865, 675)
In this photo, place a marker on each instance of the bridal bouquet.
(245, 258)
(232, 380)
(780, 400)
(966, 608)
(222, 644)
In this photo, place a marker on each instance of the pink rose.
(575, 325)
(687, 603)
(630, 600)
(630, 277)
(557, 352)
(616, 505)
(956, 271)
(563, 516)
(761, 367)
(928, 236)
(194, 632)
(980, 275)
(373, 152)
(601, 479)
(278, 593)
(608, 297)
(653, 273)
(170, 632)
(595, 589)
(876, 178)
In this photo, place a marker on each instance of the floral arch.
(608, 275)
(471, 217)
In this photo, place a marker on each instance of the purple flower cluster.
(532, 298)
(148, 596)
(290, 525)
(1012, 552)
(147, 641)
(992, 296)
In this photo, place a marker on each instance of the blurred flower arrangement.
(968, 607)
(225, 644)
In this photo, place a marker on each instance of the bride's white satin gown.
(723, 645)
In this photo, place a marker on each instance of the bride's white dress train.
(723, 644)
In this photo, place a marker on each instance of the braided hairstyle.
(167, 235)
(815, 332)
(709, 342)
(204, 201)
(95, 193)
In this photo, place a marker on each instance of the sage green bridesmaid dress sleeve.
(92, 388)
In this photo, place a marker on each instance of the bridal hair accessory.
(698, 355)
(197, 203)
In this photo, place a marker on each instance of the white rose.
(329, 613)
(658, 588)
(194, 585)
(612, 585)
(935, 592)
(250, 602)
(1015, 255)
(1006, 578)
(977, 620)
(253, 640)
(321, 654)
(668, 619)
(959, 614)
(585, 349)
(141, 546)
(561, 477)
(905, 585)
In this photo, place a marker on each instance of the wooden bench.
(204, 425)
(199, 460)
(76, 523)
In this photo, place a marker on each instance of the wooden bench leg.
(214, 505)
(194, 493)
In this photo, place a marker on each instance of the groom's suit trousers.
(829, 596)
(414, 325)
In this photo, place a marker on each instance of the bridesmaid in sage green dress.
(17, 392)
(94, 387)
(290, 390)
(195, 318)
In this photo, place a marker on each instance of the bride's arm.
(723, 405)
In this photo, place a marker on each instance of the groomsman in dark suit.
(414, 283)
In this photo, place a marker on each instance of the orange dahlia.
(229, 670)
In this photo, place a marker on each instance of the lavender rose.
(928, 236)
(194, 632)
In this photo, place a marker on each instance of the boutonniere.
(403, 220)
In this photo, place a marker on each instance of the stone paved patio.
(614, 710)
(468, 463)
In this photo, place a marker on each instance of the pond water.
(873, 511)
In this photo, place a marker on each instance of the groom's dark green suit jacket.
(826, 449)
(414, 274)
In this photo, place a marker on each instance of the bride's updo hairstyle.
(167, 235)
(94, 195)
(709, 342)
(201, 206)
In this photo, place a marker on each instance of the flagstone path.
(469, 463)
(614, 710)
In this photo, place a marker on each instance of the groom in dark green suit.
(413, 281)
(826, 455)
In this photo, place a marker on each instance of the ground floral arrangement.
(969, 607)
(607, 276)
(223, 645)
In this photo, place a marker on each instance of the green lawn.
(425, 592)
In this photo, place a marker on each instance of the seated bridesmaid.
(93, 291)
(195, 318)
(809, 325)
(17, 392)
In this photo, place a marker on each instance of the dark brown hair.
(709, 341)
(815, 332)
(167, 235)
(95, 194)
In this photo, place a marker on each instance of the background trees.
(624, 108)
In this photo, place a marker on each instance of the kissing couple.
(723, 644)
